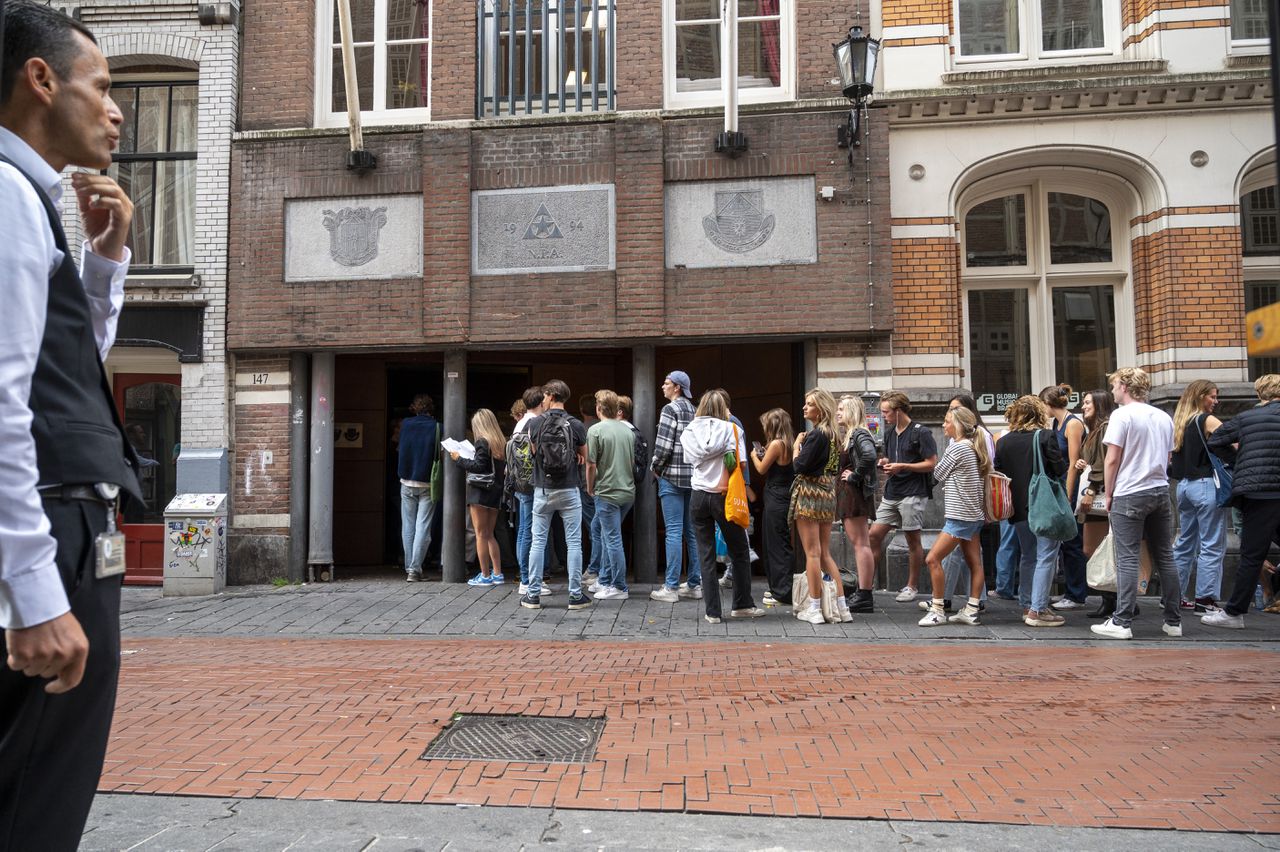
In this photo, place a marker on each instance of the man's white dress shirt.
(30, 589)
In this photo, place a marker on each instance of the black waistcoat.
(78, 436)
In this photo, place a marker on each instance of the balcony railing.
(541, 57)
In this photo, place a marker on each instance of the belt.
(76, 492)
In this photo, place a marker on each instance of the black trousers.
(52, 746)
(779, 557)
(708, 513)
(1260, 524)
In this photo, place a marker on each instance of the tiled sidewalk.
(1119, 735)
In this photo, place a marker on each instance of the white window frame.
(1245, 46)
(555, 84)
(325, 116)
(1040, 278)
(1264, 267)
(1030, 29)
(784, 91)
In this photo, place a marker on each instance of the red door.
(150, 406)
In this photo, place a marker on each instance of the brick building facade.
(800, 286)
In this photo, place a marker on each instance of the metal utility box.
(195, 545)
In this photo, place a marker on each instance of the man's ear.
(39, 79)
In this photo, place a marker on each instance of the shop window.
(692, 51)
(392, 45)
(1044, 285)
(1015, 30)
(155, 164)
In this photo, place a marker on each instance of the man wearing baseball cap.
(675, 481)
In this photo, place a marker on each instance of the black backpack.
(557, 454)
(520, 463)
(640, 459)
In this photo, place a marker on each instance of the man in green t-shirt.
(611, 482)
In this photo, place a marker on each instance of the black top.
(77, 432)
(484, 462)
(914, 444)
(1015, 460)
(1192, 461)
(544, 423)
(779, 476)
(1257, 463)
(816, 458)
(862, 461)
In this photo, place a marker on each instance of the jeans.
(590, 551)
(679, 526)
(1037, 561)
(596, 565)
(1007, 559)
(1202, 538)
(708, 513)
(416, 513)
(613, 556)
(1260, 525)
(1074, 566)
(547, 502)
(1135, 517)
(524, 534)
(957, 576)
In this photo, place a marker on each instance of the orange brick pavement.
(1134, 737)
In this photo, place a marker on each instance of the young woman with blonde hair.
(855, 494)
(813, 502)
(773, 462)
(1202, 526)
(486, 472)
(962, 471)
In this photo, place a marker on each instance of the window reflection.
(1079, 229)
(999, 349)
(995, 232)
(1084, 335)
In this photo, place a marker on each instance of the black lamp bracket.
(849, 134)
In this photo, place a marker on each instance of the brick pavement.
(1178, 736)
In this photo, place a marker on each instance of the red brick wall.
(926, 292)
(1187, 288)
(261, 489)
(277, 82)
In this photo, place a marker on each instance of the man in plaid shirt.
(675, 488)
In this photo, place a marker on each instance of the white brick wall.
(166, 32)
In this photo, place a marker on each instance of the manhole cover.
(517, 739)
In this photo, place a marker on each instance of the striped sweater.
(958, 471)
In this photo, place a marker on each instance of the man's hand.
(54, 649)
(106, 213)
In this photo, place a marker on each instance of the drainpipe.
(358, 159)
(730, 142)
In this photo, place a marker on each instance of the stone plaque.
(548, 229)
(758, 222)
(353, 239)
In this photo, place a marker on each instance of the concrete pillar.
(810, 364)
(299, 463)
(453, 545)
(645, 513)
(320, 520)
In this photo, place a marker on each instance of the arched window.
(1260, 243)
(1044, 279)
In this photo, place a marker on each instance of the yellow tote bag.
(735, 499)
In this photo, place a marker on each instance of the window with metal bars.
(538, 57)
(155, 165)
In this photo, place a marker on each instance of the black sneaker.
(529, 601)
(579, 601)
(413, 577)
(861, 601)
(1204, 605)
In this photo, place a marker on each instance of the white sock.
(815, 603)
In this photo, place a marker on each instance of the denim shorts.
(965, 530)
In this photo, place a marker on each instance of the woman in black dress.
(485, 474)
(773, 462)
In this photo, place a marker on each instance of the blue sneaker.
(496, 579)
(479, 580)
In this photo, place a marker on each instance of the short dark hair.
(557, 390)
(532, 397)
(423, 404)
(587, 404)
(34, 30)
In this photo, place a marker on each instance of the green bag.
(437, 471)
(1049, 513)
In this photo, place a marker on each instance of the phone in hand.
(758, 449)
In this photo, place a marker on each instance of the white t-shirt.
(1145, 433)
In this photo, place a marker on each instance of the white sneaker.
(1174, 630)
(600, 593)
(1110, 630)
(752, 612)
(1222, 619)
(933, 618)
(1065, 604)
(618, 595)
(769, 599)
(687, 594)
(811, 614)
(594, 587)
(524, 588)
(548, 590)
(842, 607)
(664, 594)
(907, 594)
(726, 582)
(964, 616)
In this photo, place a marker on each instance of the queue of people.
(1110, 465)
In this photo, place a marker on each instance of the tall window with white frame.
(1042, 278)
(392, 45)
(692, 55)
(1249, 21)
(1260, 235)
(155, 164)
(1033, 30)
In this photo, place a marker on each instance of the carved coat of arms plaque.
(353, 233)
(740, 223)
